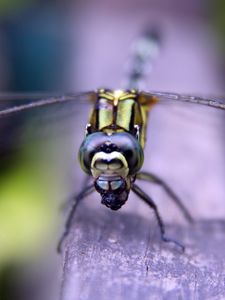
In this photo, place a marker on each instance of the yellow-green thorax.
(121, 111)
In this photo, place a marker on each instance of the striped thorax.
(112, 151)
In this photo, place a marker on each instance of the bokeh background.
(66, 46)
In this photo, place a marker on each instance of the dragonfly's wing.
(216, 102)
(36, 100)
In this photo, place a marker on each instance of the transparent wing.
(216, 102)
(38, 100)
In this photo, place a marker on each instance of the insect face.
(118, 150)
(113, 160)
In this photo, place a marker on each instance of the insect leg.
(65, 206)
(153, 206)
(76, 200)
(154, 179)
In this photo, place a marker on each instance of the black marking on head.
(113, 200)
(114, 191)
(108, 147)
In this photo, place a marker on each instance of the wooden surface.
(120, 256)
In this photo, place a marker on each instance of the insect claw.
(176, 243)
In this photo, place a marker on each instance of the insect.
(112, 152)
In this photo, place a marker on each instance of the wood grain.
(120, 256)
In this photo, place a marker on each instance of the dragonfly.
(112, 152)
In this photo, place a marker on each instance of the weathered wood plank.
(120, 256)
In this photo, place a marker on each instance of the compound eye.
(129, 146)
(87, 157)
(132, 156)
(88, 149)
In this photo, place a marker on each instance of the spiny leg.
(153, 206)
(155, 179)
(76, 200)
(66, 205)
